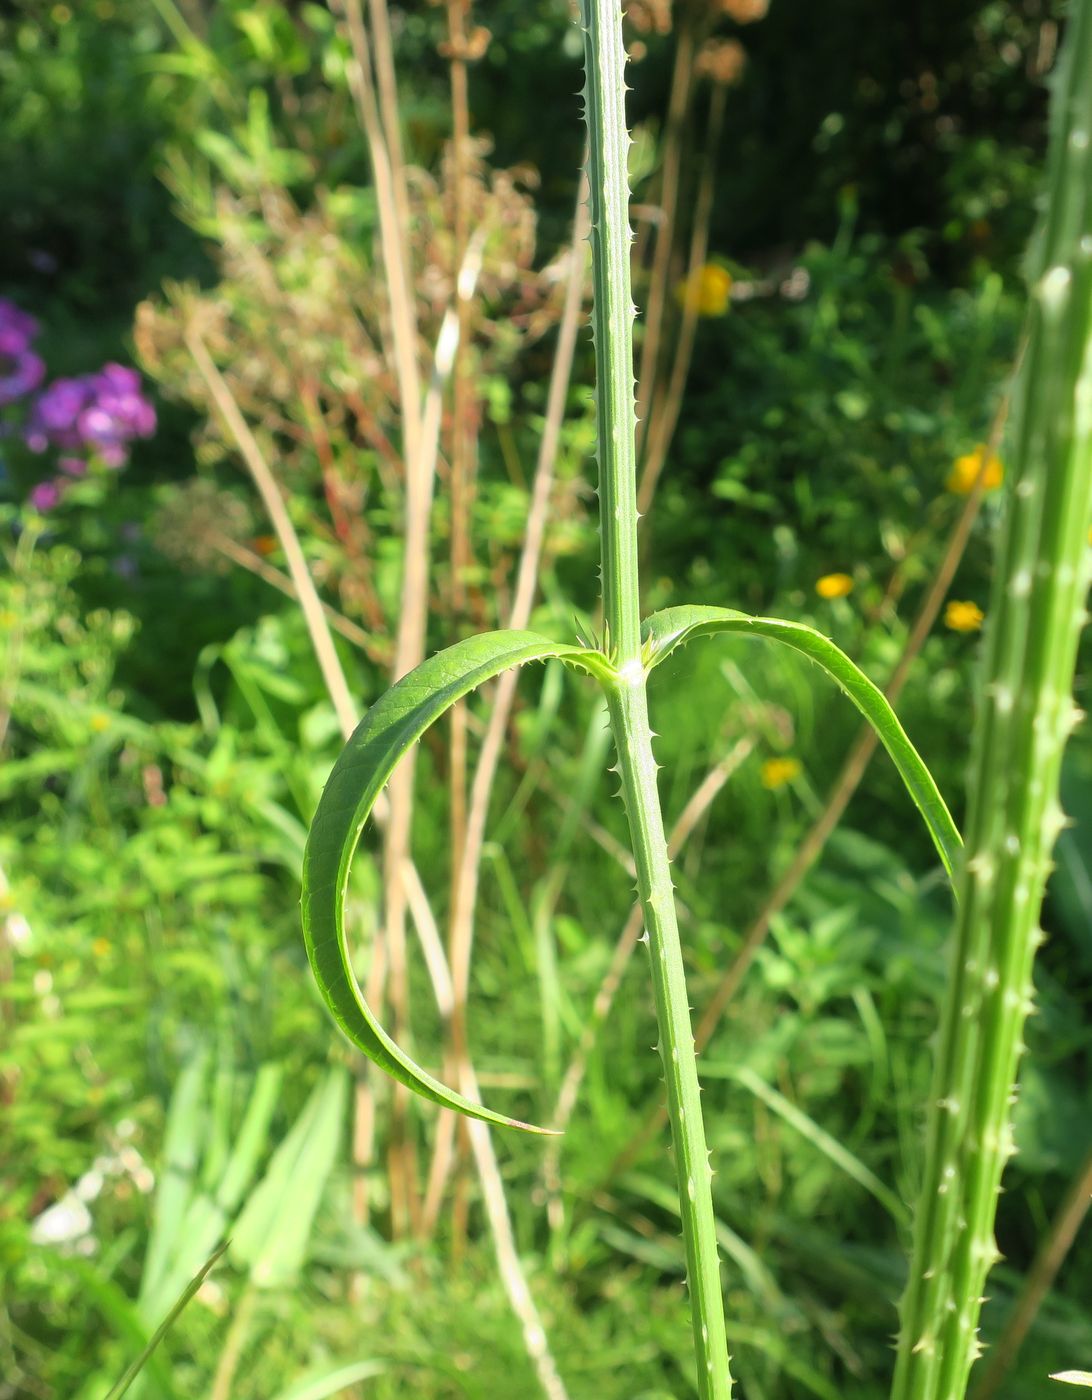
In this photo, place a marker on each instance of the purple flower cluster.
(21, 369)
(92, 418)
(95, 415)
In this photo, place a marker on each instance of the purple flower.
(117, 394)
(45, 495)
(99, 414)
(55, 414)
(21, 370)
(20, 374)
(116, 379)
(117, 413)
(17, 328)
(72, 466)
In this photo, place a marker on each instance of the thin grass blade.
(165, 1326)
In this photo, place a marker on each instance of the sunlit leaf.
(394, 723)
(673, 627)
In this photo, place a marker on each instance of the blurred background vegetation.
(831, 209)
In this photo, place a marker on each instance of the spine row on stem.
(1036, 614)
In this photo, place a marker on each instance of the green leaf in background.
(394, 723)
(185, 1126)
(317, 1387)
(673, 627)
(191, 1218)
(808, 1129)
(273, 1233)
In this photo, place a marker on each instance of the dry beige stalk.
(461, 931)
(667, 405)
(310, 603)
(678, 107)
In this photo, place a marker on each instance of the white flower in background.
(89, 1186)
(17, 931)
(64, 1222)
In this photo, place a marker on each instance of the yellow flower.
(100, 723)
(965, 469)
(963, 617)
(834, 586)
(100, 947)
(776, 772)
(707, 290)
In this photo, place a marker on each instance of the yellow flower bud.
(961, 479)
(776, 772)
(963, 616)
(707, 290)
(834, 586)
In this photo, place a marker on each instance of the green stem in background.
(237, 1338)
(1036, 614)
(612, 322)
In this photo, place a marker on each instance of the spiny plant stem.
(612, 324)
(612, 321)
(628, 706)
(1035, 618)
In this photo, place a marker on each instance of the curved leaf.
(394, 723)
(666, 630)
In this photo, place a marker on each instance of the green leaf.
(394, 723)
(191, 1221)
(185, 1130)
(272, 1234)
(317, 1387)
(664, 631)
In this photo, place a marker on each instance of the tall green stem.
(612, 324)
(1036, 614)
(637, 769)
(626, 695)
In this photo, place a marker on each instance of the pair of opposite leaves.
(400, 717)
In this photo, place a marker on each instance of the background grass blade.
(164, 1327)
(807, 1127)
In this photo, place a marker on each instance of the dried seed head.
(722, 61)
